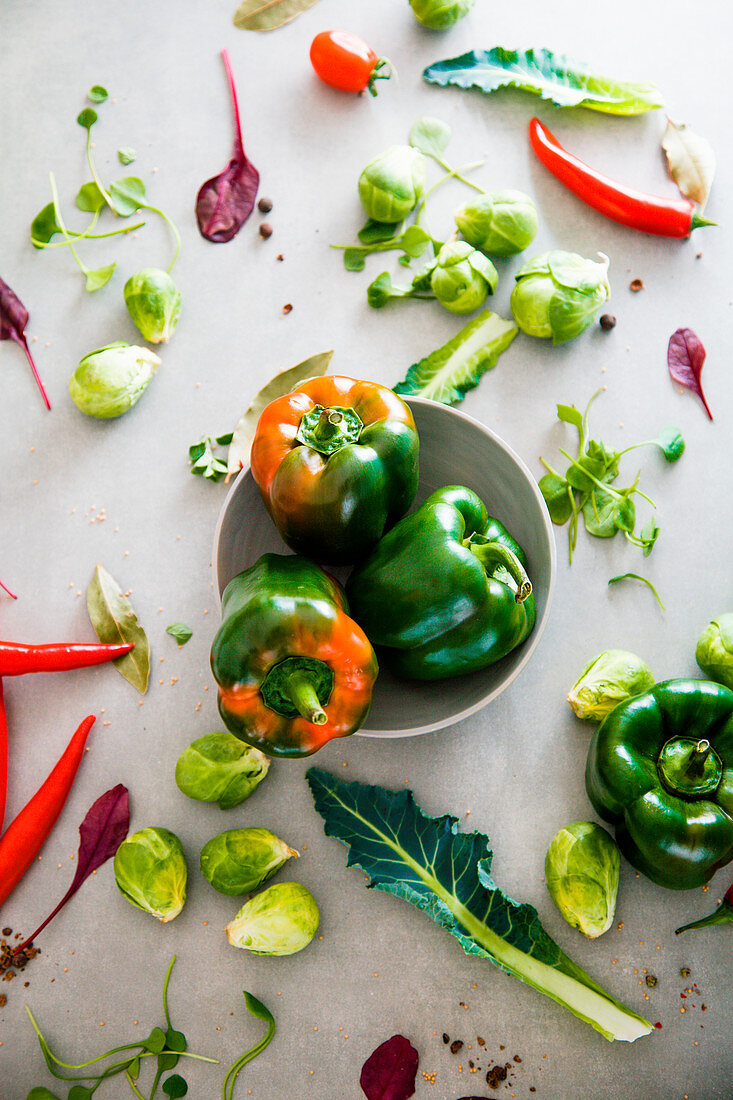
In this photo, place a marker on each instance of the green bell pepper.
(445, 592)
(660, 767)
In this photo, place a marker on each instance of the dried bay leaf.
(114, 620)
(268, 15)
(691, 161)
(282, 383)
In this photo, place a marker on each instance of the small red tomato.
(344, 61)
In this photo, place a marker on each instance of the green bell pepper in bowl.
(445, 592)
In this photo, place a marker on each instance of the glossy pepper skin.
(294, 671)
(336, 463)
(445, 591)
(660, 767)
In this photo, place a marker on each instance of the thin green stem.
(133, 1086)
(231, 1077)
(173, 228)
(87, 236)
(165, 992)
(95, 175)
(457, 173)
(57, 212)
(452, 174)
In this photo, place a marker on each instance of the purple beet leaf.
(389, 1072)
(13, 320)
(101, 833)
(226, 201)
(685, 357)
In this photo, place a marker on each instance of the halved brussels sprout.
(218, 767)
(714, 652)
(280, 920)
(610, 678)
(154, 302)
(110, 380)
(438, 15)
(582, 869)
(239, 860)
(150, 871)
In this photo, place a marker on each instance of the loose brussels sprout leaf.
(280, 920)
(450, 371)
(392, 183)
(150, 871)
(239, 860)
(112, 379)
(714, 652)
(154, 303)
(582, 869)
(218, 767)
(126, 155)
(609, 679)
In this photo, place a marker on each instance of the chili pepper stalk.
(19, 658)
(656, 214)
(26, 834)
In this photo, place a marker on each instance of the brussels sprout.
(150, 871)
(154, 302)
(714, 652)
(501, 223)
(558, 294)
(607, 680)
(281, 920)
(462, 277)
(239, 860)
(581, 869)
(392, 183)
(440, 14)
(218, 767)
(110, 380)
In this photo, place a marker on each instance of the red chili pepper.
(25, 835)
(3, 757)
(636, 209)
(17, 658)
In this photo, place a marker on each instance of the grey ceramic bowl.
(454, 450)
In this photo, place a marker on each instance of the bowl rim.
(532, 642)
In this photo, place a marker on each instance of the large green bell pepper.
(660, 767)
(445, 591)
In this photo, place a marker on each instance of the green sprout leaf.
(670, 442)
(127, 195)
(355, 259)
(155, 1041)
(90, 198)
(126, 155)
(260, 1011)
(175, 1086)
(97, 93)
(98, 278)
(44, 226)
(636, 577)
(431, 136)
(204, 462)
(377, 232)
(87, 118)
(182, 634)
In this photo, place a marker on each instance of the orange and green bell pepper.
(446, 591)
(336, 462)
(660, 767)
(293, 670)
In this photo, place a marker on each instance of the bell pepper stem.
(328, 424)
(299, 688)
(492, 554)
(698, 756)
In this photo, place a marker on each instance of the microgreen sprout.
(260, 1012)
(586, 487)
